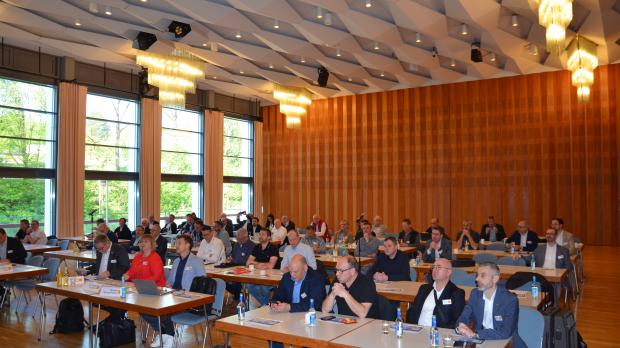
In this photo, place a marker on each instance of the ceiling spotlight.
(532, 49)
(93, 8)
(77, 23)
(492, 57)
(350, 79)
(215, 77)
(276, 24)
(303, 60)
(238, 35)
(368, 3)
(204, 44)
(515, 20)
(270, 66)
(319, 13)
(241, 72)
(108, 11)
(323, 76)
(464, 29)
(338, 54)
(413, 67)
(476, 53)
(328, 19)
(382, 74)
(418, 37)
(179, 29)
(375, 46)
(144, 0)
(434, 52)
(143, 41)
(452, 62)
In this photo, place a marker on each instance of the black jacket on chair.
(118, 262)
(451, 303)
(15, 251)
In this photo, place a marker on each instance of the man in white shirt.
(278, 232)
(211, 249)
(552, 255)
(36, 235)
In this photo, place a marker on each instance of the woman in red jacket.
(147, 264)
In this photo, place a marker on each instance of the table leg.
(161, 335)
(90, 324)
(41, 316)
(226, 338)
(204, 339)
(97, 329)
(6, 290)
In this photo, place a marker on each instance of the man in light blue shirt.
(297, 248)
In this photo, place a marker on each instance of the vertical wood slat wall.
(517, 148)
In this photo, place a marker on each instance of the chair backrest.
(52, 242)
(413, 274)
(531, 327)
(386, 309)
(36, 260)
(485, 257)
(64, 244)
(525, 287)
(460, 277)
(522, 281)
(52, 265)
(462, 263)
(507, 260)
(496, 246)
(220, 291)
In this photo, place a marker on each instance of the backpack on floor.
(70, 317)
(560, 328)
(116, 331)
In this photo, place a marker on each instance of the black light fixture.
(179, 29)
(476, 53)
(144, 40)
(323, 76)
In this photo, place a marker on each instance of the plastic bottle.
(399, 324)
(241, 309)
(123, 288)
(533, 263)
(434, 334)
(65, 277)
(311, 314)
(535, 288)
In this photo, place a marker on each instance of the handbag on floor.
(116, 331)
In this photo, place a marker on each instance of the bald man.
(355, 293)
(524, 238)
(442, 299)
(298, 286)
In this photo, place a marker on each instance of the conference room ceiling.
(366, 49)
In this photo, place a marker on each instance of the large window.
(112, 152)
(181, 162)
(27, 154)
(238, 165)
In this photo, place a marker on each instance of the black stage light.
(323, 76)
(476, 54)
(179, 29)
(144, 40)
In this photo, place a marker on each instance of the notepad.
(264, 321)
(407, 327)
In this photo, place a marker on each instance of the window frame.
(229, 179)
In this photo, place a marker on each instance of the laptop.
(148, 287)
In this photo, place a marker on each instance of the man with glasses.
(493, 309)
(552, 255)
(437, 247)
(524, 238)
(442, 299)
(354, 293)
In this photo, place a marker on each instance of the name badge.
(112, 261)
(303, 295)
(560, 257)
(188, 268)
(529, 242)
(242, 254)
(499, 318)
(9, 251)
(145, 263)
(447, 302)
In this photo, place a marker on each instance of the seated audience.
(467, 235)
(379, 228)
(319, 225)
(317, 244)
(278, 232)
(343, 235)
(552, 255)
(11, 249)
(135, 240)
(188, 225)
(264, 256)
(24, 225)
(524, 238)
(368, 245)
(294, 248)
(442, 298)
(563, 238)
(437, 247)
(122, 231)
(222, 235)
(434, 225)
(491, 231)
(211, 249)
(298, 286)
(170, 227)
(392, 264)
(196, 233)
(408, 234)
(287, 223)
(145, 224)
(354, 293)
(239, 256)
(269, 222)
(35, 234)
(493, 309)
(161, 242)
(104, 230)
(228, 224)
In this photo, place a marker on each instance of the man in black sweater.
(11, 249)
(392, 264)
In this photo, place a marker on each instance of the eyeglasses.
(343, 270)
(439, 267)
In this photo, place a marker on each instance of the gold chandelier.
(555, 15)
(582, 60)
(293, 103)
(174, 75)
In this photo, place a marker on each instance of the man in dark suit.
(171, 226)
(11, 249)
(493, 309)
(437, 247)
(113, 256)
(298, 286)
(442, 299)
(491, 231)
(287, 223)
(526, 239)
(552, 255)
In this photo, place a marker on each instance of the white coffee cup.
(251, 267)
(263, 272)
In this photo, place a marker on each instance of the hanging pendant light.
(555, 15)
(582, 60)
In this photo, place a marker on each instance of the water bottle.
(94, 250)
(434, 334)
(466, 245)
(123, 287)
(535, 288)
(533, 263)
(399, 324)
(311, 314)
(241, 309)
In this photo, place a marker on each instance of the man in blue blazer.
(494, 310)
(186, 267)
(527, 240)
(437, 247)
(298, 286)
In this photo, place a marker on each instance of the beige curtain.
(150, 158)
(70, 167)
(258, 170)
(214, 165)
